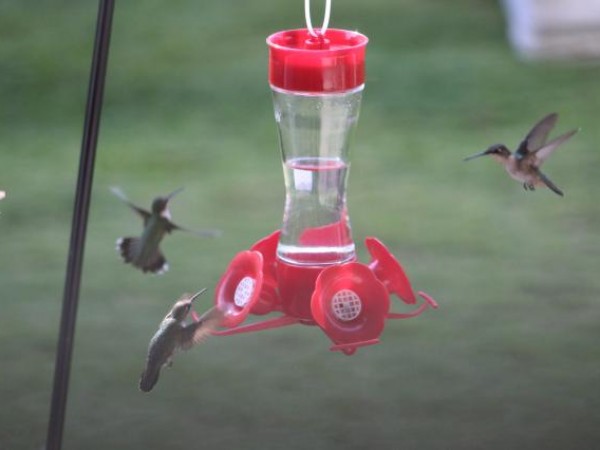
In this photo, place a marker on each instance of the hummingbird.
(524, 164)
(173, 335)
(144, 252)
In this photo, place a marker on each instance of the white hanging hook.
(311, 30)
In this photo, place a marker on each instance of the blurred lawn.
(510, 360)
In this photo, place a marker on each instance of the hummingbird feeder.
(308, 270)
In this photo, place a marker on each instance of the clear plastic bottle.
(317, 85)
(314, 135)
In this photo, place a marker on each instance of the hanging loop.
(326, 16)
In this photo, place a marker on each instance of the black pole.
(83, 191)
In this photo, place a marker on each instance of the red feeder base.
(349, 302)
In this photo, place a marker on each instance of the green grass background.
(511, 360)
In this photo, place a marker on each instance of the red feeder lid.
(332, 62)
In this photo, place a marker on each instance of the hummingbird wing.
(196, 332)
(141, 211)
(538, 135)
(544, 152)
(209, 233)
(550, 184)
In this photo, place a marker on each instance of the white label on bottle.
(303, 180)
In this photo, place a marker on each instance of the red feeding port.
(268, 300)
(389, 271)
(350, 305)
(239, 287)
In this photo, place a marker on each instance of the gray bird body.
(173, 335)
(161, 350)
(144, 251)
(524, 164)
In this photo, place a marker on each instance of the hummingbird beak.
(197, 294)
(476, 155)
(173, 194)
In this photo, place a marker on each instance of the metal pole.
(83, 191)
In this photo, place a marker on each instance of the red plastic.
(350, 305)
(269, 324)
(268, 300)
(389, 271)
(300, 62)
(296, 286)
(428, 303)
(231, 296)
(349, 302)
(326, 296)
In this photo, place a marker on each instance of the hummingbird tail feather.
(156, 264)
(550, 184)
(129, 248)
(148, 380)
